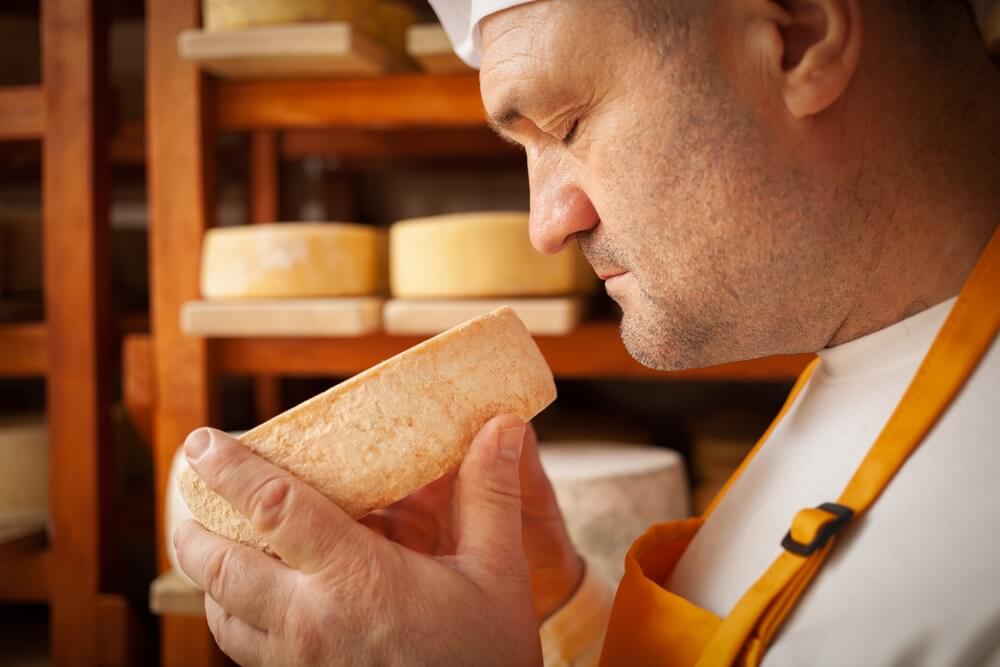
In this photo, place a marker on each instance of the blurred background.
(128, 130)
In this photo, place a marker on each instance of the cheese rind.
(289, 260)
(377, 437)
(475, 255)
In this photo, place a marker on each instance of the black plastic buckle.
(841, 516)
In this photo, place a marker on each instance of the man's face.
(666, 168)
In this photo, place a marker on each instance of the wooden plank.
(429, 45)
(414, 100)
(179, 175)
(187, 642)
(24, 350)
(290, 51)
(170, 593)
(25, 566)
(348, 316)
(122, 639)
(77, 290)
(593, 350)
(22, 112)
(556, 316)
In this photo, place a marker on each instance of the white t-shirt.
(915, 581)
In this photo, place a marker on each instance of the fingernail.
(197, 444)
(509, 443)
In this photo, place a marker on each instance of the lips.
(610, 274)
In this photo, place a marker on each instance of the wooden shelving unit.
(374, 116)
(73, 570)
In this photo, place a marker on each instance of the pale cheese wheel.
(237, 14)
(289, 260)
(610, 493)
(468, 255)
(24, 476)
(377, 437)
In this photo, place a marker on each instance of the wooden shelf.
(25, 567)
(593, 350)
(22, 112)
(412, 100)
(23, 350)
(170, 593)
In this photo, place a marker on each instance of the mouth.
(611, 274)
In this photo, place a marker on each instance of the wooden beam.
(181, 194)
(77, 291)
(22, 112)
(139, 383)
(24, 350)
(265, 200)
(593, 350)
(421, 100)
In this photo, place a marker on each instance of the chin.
(662, 343)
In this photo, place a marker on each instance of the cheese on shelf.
(238, 14)
(476, 255)
(290, 260)
(609, 493)
(24, 476)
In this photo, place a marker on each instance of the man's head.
(724, 161)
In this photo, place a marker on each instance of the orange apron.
(651, 626)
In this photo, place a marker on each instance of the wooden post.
(265, 182)
(77, 289)
(181, 205)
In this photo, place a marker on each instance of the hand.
(341, 594)
(425, 522)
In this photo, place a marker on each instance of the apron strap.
(963, 340)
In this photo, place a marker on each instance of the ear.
(812, 49)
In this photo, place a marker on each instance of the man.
(750, 177)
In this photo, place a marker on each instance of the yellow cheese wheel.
(237, 14)
(289, 260)
(476, 255)
(24, 475)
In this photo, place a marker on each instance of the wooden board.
(354, 316)
(305, 50)
(542, 317)
(429, 45)
(170, 593)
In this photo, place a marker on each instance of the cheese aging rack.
(170, 377)
(73, 570)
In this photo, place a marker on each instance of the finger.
(489, 504)
(246, 582)
(238, 639)
(297, 521)
(538, 500)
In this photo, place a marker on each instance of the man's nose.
(559, 207)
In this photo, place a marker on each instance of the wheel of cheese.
(469, 255)
(290, 260)
(610, 493)
(24, 476)
(237, 14)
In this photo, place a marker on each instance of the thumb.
(489, 504)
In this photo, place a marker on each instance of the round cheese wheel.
(237, 14)
(610, 493)
(476, 255)
(290, 260)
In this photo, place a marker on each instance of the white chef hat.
(461, 18)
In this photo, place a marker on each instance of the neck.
(932, 195)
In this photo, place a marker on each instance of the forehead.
(542, 47)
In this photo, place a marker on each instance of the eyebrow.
(502, 121)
